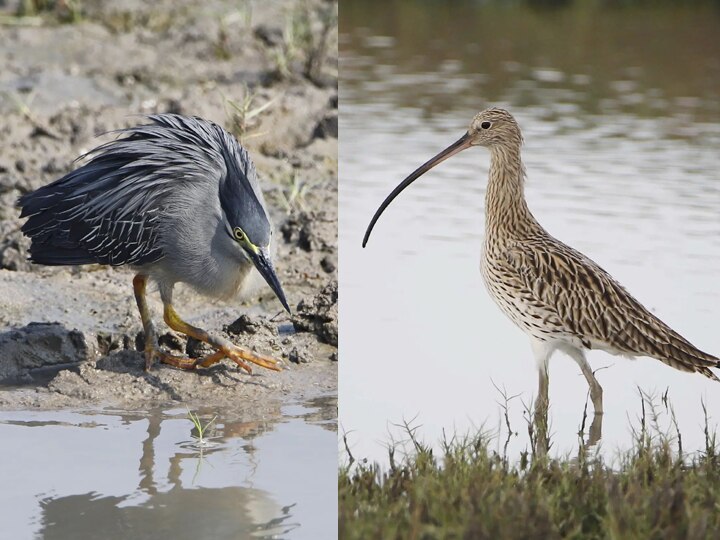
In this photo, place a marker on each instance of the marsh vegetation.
(471, 488)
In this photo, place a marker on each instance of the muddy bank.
(53, 365)
(267, 72)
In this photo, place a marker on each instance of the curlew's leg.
(595, 430)
(224, 347)
(543, 399)
(596, 391)
(542, 442)
(542, 352)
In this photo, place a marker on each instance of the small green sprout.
(201, 430)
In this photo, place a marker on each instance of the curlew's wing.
(590, 305)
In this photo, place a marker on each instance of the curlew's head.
(492, 128)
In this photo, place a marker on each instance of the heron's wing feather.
(595, 308)
(110, 210)
(94, 215)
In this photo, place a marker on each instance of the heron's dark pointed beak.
(458, 146)
(261, 260)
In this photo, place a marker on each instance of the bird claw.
(237, 354)
(242, 365)
(242, 356)
(181, 362)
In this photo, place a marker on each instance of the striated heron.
(178, 200)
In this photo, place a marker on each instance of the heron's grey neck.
(506, 212)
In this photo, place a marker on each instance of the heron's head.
(258, 252)
(492, 128)
(248, 225)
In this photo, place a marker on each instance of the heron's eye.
(239, 234)
(485, 125)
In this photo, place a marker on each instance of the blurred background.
(619, 103)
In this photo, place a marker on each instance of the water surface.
(622, 130)
(142, 474)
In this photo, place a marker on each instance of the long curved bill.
(458, 146)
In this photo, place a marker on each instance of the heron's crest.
(108, 210)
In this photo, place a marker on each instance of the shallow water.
(622, 131)
(142, 474)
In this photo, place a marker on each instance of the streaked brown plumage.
(559, 297)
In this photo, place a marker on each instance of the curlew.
(559, 297)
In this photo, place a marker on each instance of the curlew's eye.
(485, 125)
(239, 234)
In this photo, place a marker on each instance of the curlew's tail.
(686, 357)
(644, 333)
(709, 374)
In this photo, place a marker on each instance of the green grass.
(200, 429)
(468, 490)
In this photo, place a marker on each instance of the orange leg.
(152, 349)
(224, 347)
(211, 359)
(181, 362)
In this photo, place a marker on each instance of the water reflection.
(621, 152)
(229, 512)
(143, 474)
